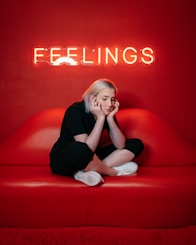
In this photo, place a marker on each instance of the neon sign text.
(99, 56)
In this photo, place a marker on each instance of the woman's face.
(106, 97)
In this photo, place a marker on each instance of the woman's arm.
(116, 135)
(92, 140)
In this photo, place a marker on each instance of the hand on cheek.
(96, 107)
(115, 109)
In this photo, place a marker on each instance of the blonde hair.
(95, 88)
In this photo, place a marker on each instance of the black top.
(76, 121)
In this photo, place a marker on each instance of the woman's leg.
(77, 156)
(113, 157)
(118, 157)
(99, 166)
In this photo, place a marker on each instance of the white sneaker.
(126, 168)
(90, 178)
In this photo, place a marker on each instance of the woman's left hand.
(115, 109)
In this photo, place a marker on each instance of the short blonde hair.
(95, 88)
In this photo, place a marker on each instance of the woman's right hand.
(95, 108)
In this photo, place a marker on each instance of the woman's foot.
(126, 168)
(90, 178)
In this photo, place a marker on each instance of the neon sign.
(99, 56)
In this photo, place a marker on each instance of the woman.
(78, 152)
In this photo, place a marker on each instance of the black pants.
(77, 155)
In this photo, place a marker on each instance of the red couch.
(156, 204)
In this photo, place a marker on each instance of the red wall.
(166, 87)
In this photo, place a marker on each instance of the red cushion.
(155, 197)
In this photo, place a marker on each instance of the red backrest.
(32, 142)
(163, 144)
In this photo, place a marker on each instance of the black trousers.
(77, 155)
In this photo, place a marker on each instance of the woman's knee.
(80, 152)
(78, 155)
(72, 158)
(135, 145)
